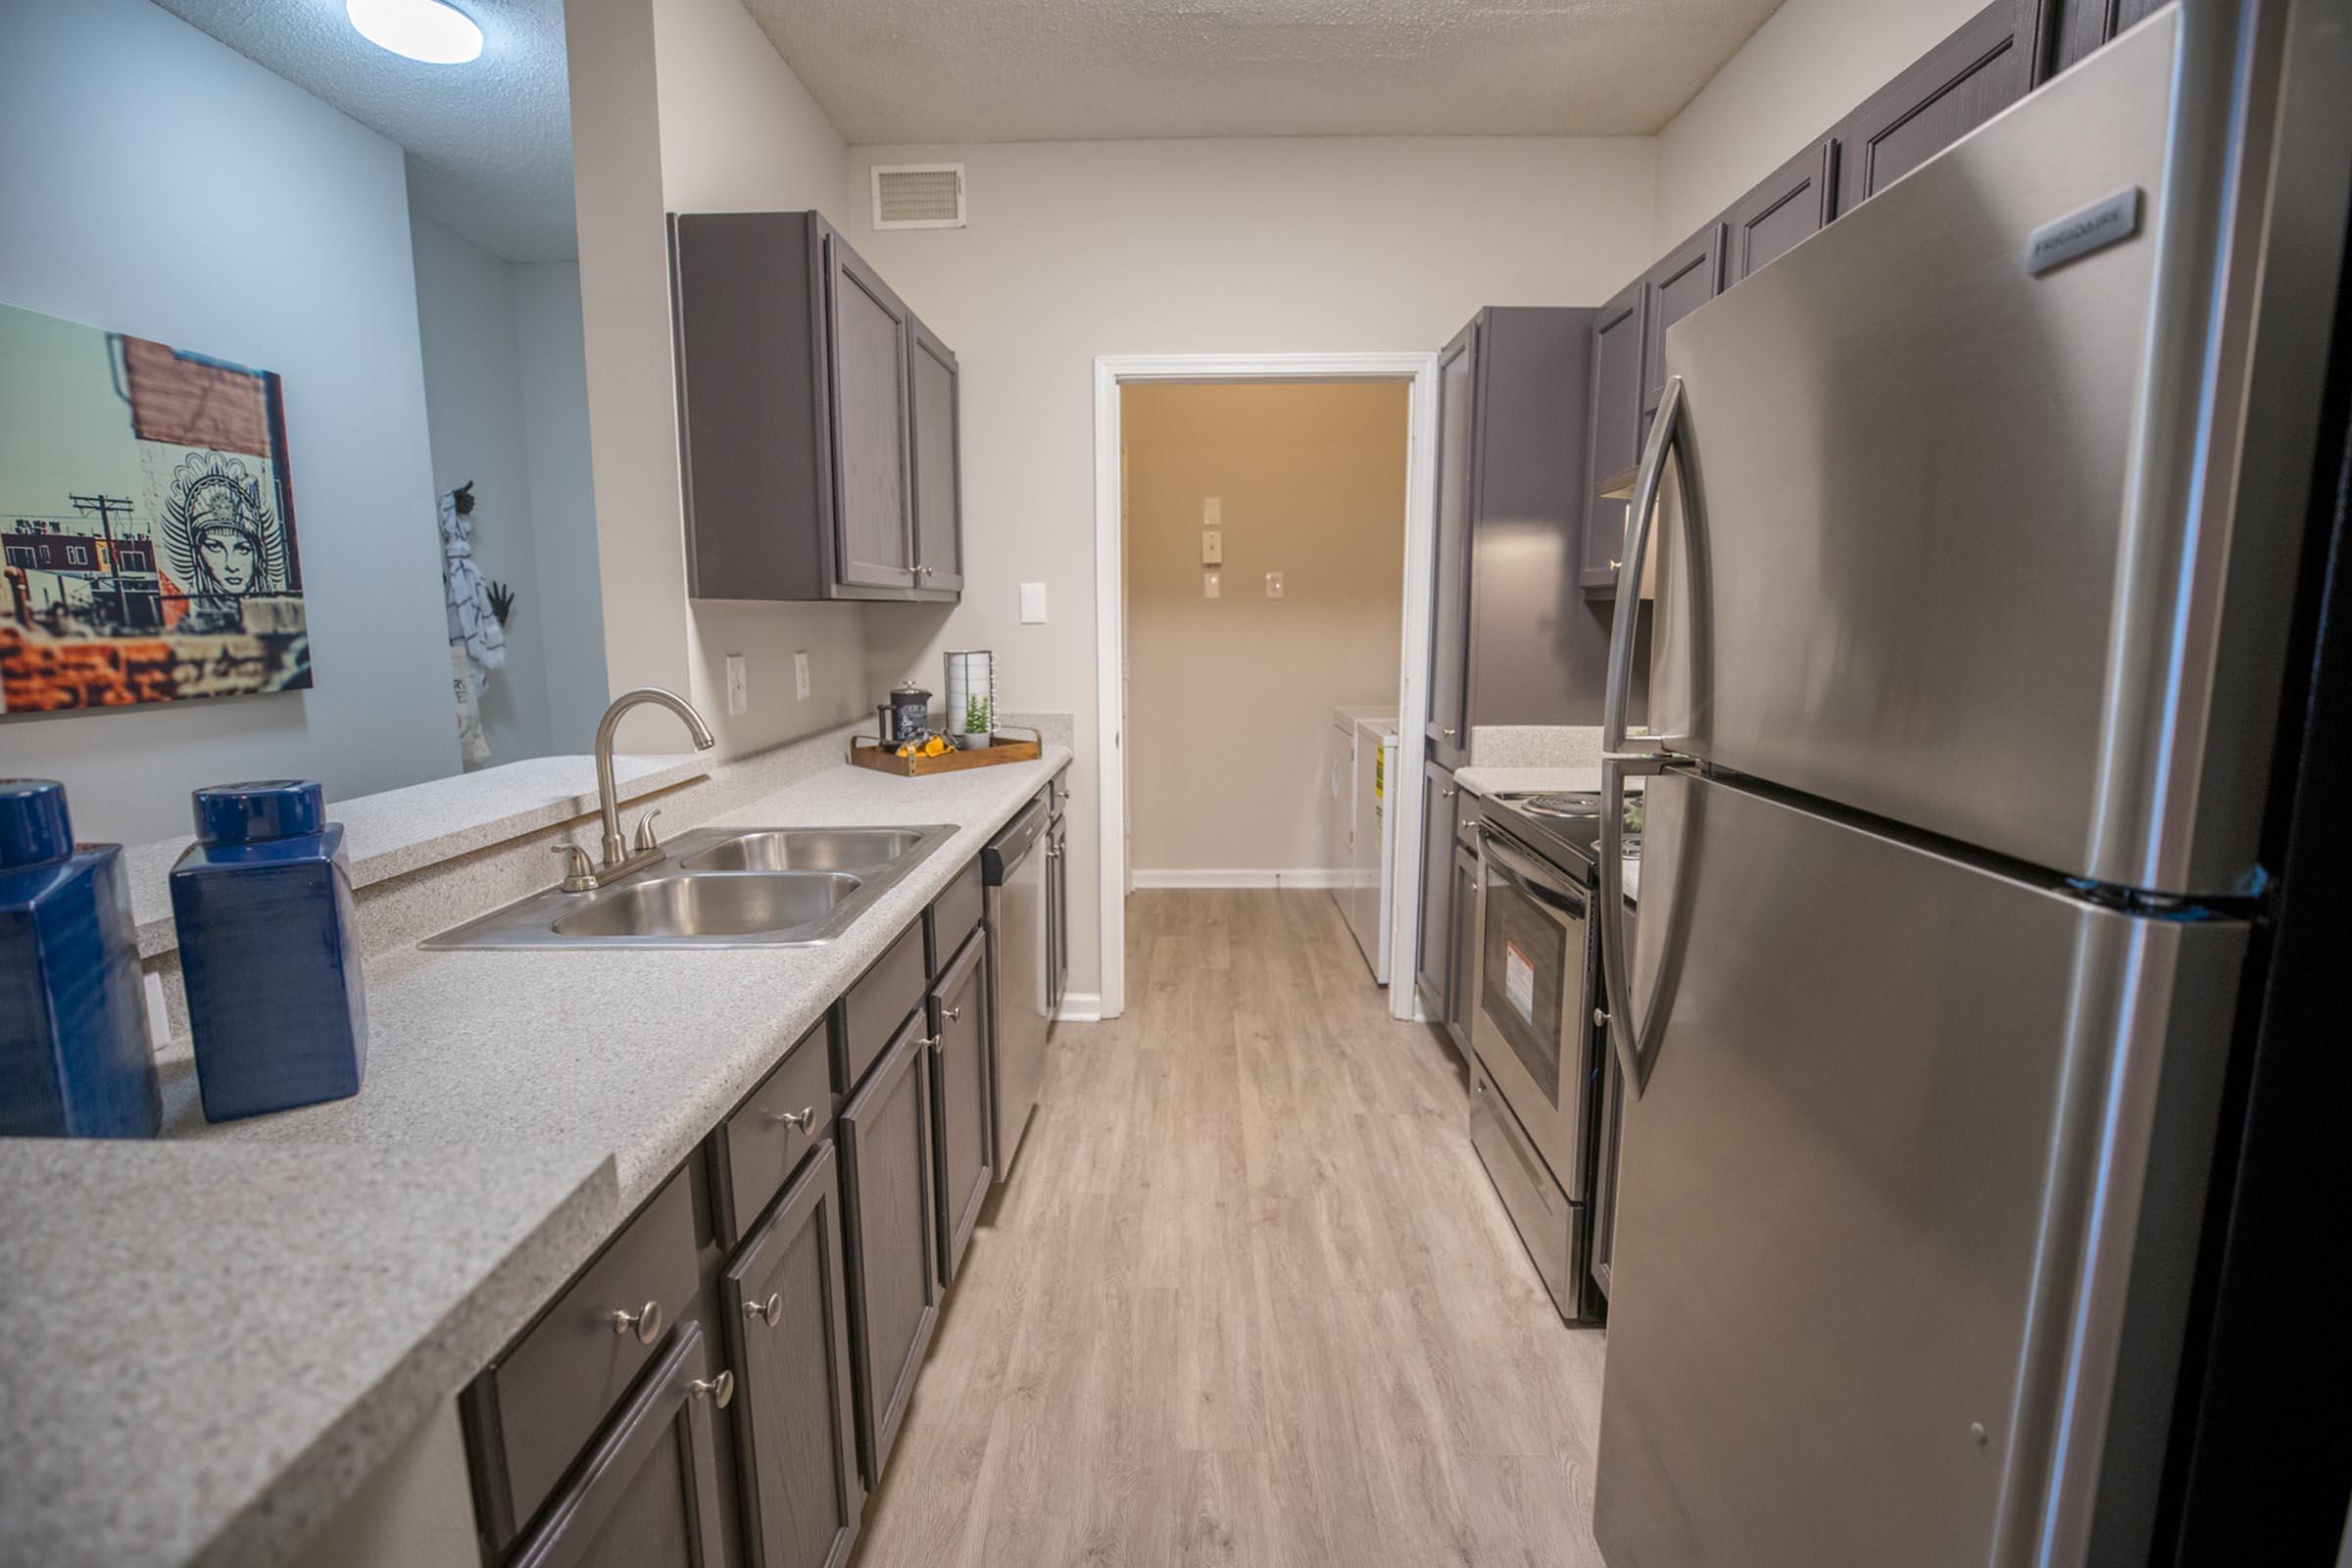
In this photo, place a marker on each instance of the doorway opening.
(1262, 564)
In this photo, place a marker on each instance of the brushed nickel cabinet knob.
(803, 1118)
(768, 1311)
(718, 1390)
(645, 1322)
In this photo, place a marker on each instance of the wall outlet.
(1273, 585)
(1209, 586)
(800, 675)
(1213, 511)
(1033, 604)
(739, 685)
(1213, 547)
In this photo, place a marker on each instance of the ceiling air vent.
(919, 196)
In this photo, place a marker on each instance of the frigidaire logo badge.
(2093, 228)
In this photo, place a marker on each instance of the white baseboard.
(1316, 876)
(1080, 1006)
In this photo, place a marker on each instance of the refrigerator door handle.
(1664, 437)
(1627, 1028)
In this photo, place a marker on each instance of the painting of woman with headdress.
(221, 543)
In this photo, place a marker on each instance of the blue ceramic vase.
(268, 949)
(75, 1058)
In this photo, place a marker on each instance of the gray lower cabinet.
(817, 419)
(785, 1301)
(960, 1099)
(1463, 990)
(892, 1237)
(1441, 822)
(645, 1495)
(1981, 69)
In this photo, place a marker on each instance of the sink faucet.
(619, 861)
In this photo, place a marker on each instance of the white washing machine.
(1371, 881)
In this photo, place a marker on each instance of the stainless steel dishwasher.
(1013, 871)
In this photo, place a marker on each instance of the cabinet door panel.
(787, 1312)
(870, 336)
(1787, 207)
(892, 1240)
(1980, 69)
(646, 1495)
(1615, 421)
(1684, 280)
(1433, 948)
(1447, 728)
(960, 1095)
(1464, 958)
(932, 383)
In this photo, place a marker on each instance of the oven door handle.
(1540, 882)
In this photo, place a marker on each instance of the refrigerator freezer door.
(1965, 554)
(1898, 1154)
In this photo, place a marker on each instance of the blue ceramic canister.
(75, 1058)
(269, 952)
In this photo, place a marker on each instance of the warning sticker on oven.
(1519, 982)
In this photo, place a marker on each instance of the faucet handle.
(645, 831)
(579, 871)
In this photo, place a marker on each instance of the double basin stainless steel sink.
(770, 887)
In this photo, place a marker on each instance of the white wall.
(683, 106)
(1080, 249)
(1229, 698)
(1802, 70)
(506, 397)
(157, 182)
(473, 404)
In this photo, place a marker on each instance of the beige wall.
(1081, 249)
(1802, 70)
(1229, 699)
(677, 106)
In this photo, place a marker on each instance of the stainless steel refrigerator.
(1977, 522)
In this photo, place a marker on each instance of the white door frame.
(1403, 815)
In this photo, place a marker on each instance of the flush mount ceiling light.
(437, 34)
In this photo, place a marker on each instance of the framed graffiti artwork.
(147, 541)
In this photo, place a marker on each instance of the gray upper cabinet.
(647, 1496)
(1683, 279)
(874, 505)
(1614, 430)
(787, 1314)
(1449, 729)
(816, 419)
(1981, 69)
(938, 466)
(2078, 26)
(1787, 207)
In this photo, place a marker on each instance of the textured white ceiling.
(955, 70)
(489, 142)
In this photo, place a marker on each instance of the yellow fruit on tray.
(935, 747)
(906, 749)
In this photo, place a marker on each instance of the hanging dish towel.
(478, 642)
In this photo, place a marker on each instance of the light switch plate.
(1213, 547)
(1209, 586)
(739, 685)
(1273, 585)
(1033, 604)
(800, 675)
(1213, 511)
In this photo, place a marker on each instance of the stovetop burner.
(1571, 803)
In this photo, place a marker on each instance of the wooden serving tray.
(868, 751)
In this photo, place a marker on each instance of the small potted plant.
(975, 736)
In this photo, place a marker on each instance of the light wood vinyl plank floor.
(1249, 1297)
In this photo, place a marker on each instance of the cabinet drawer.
(879, 1001)
(954, 915)
(756, 1150)
(531, 1412)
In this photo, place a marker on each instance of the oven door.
(1532, 1023)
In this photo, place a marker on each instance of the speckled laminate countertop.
(209, 1381)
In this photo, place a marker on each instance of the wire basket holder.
(970, 719)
